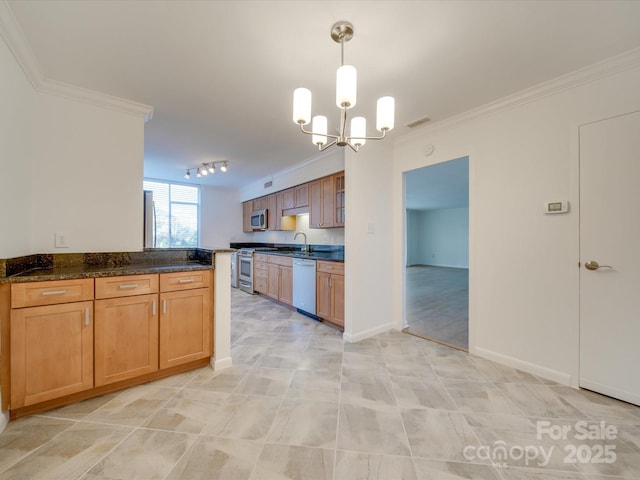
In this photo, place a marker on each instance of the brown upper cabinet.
(322, 199)
(326, 205)
(296, 197)
(247, 208)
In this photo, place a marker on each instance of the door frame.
(401, 256)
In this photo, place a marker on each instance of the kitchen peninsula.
(74, 326)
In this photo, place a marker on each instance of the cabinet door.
(288, 199)
(301, 195)
(247, 208)
(338, 206)
(286, 285)
(51, 352)
(315, 204)
(185, 326)
(337, 294)
(327, 202)
(126, 338)
(273, 281)
(273, 216)
(323, 295)
(261, 203)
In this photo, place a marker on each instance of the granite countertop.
(68, 273)
(324, 256)
(46, 267)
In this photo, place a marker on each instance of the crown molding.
(14, 37)
(605, 68)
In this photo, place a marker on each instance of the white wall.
(220, 216)
(86, 177)
(523, 265)
(368, 237)
(438, 237)
(16, 100)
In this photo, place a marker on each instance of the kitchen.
(529, 322)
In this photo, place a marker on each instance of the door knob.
(593, 265)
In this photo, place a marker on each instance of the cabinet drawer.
(278, 260)
(260, 257)
(126, 285)
(337, 268)
(50, 293)
(260, 265)
(185, 280)
(261, 273)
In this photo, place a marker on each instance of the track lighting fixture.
(206, 168)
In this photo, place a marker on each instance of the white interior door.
(610, 236)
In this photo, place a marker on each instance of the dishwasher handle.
(305, 263)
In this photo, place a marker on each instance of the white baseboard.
(544, 372)
(347, 337)
(220, 364)
(623, 395)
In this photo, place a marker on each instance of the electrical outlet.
(61, 240)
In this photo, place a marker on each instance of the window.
(177, 213)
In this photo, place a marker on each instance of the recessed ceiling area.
(221, 74)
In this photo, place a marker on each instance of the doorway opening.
(437, 253)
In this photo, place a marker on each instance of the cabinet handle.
(86, 316)
(54, 292)
(128, 287)
(185, 280)
(153, 308)
(164, 306)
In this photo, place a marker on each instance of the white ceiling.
(220, 74)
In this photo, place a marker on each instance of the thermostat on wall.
(556, 207)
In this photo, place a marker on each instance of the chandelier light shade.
(346, 86)
(346, 96)
(206, 169)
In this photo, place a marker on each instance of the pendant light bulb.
(187, 174)
(212, 168)
(198, 174)
(223, 168)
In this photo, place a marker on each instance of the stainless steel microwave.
(259, 219)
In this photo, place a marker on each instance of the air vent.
(418, 122)
(268, 184)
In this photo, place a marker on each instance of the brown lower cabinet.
(280, 279)
(51, 352)
(132, 327)
(184, 334)
(126, 337)
(330, 292)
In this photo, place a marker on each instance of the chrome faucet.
(304, 247)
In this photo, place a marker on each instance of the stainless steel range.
(245, 269)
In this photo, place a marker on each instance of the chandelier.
(206, 168)
(346, 86)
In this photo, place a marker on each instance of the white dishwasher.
(304, 285)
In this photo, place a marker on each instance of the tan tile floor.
(300, 404)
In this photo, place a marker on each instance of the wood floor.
(438, 304)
